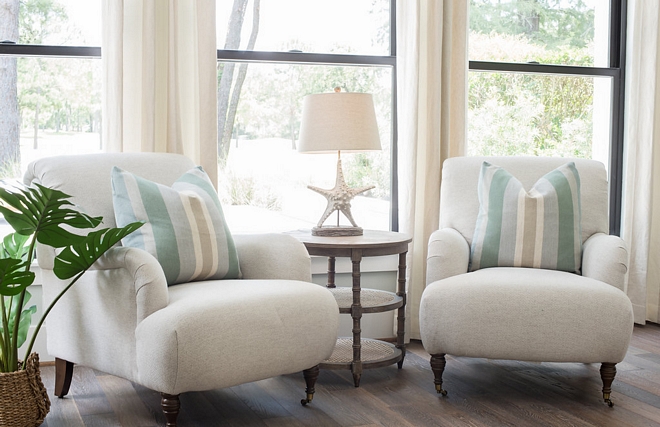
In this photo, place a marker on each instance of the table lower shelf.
(375, 354)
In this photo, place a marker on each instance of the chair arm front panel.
(94, 323)
(605, 258)
(273, 256)
(448, 255)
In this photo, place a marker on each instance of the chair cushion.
(539, 228)
(218, 334)
(526, 314)
(185, 227)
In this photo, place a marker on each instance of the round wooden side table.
(359, 353)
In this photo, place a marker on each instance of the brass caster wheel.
(309, 398)
(609, 402)
(439, 390)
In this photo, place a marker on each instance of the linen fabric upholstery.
(127, 285)
(539, 228)
(184, 229)
(241, 331)
(605, 258)
(526, 314)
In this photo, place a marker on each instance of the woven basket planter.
(23, 398)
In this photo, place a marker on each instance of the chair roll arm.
(273, 256)
(448, 255)
(605, 258)
(146, 273)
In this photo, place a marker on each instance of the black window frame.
(615, 70)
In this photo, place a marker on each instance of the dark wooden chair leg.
(311, 376)
(63, 375)
(170, 404)
(607, 374)
(438, 363)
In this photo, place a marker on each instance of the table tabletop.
(371, 239)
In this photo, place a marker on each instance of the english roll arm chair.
(122, 318)
(526, 314)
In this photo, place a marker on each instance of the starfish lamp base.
(337, 231)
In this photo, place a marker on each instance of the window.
(50, 82)
(50, 86)
(546, 78)
(271, 56)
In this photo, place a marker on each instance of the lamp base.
(336, 231)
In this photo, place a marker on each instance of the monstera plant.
(44, 215)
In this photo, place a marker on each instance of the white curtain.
(641, 205)
(432, 69)
(159, 72)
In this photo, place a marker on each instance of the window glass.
(540, 115)
(565, 32)
(338, 26)
(60, 22)
(263, 179)
(59, 111)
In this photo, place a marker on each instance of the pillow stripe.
(538, 229)
(185, 227)
(565, 205)
(195, 180)
(158, 215)
(496, 214)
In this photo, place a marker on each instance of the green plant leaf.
(41, 211)
(79, 257)
(14, 245)
(14, 276)
(24, 324)
(25, 318)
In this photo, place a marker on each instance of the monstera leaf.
(41, 211)
(25, 318)
(14, 276)
(14, 246)
(77, 258)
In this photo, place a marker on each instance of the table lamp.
(339, 121)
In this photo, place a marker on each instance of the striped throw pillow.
(538, 229)
(184, 229)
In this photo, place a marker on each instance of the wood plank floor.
(481, 393)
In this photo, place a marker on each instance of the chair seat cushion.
(526, 314)
(217, 334)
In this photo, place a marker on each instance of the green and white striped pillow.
(538, 229)
(184, 229)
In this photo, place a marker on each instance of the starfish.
(339, 197)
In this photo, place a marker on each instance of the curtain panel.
(641, 204)
(160, 78)
(432, 66)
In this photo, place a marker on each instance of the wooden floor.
(481, 393)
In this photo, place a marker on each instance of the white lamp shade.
(338, 121)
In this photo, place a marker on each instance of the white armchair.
(123, 319)
(529, 314)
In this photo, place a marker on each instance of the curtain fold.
(641, 204)
(160, 78)
(432, 67)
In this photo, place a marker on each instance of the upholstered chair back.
(88, 181)
(459, 201)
